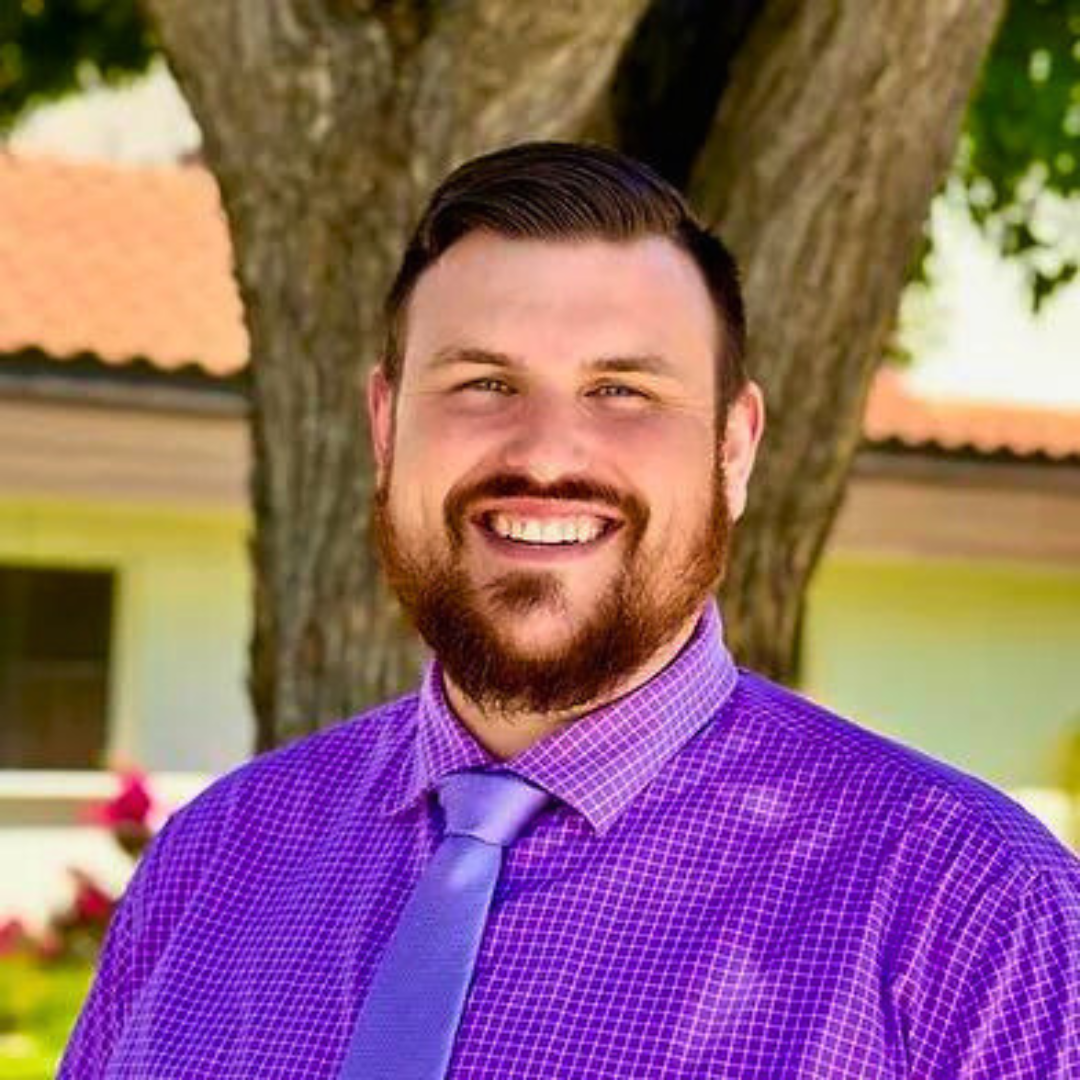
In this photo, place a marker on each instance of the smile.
(547, 537)
(546, 531)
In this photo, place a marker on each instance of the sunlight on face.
(554, 466)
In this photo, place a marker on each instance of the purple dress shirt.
(733, 883)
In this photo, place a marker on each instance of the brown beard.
(643, 610)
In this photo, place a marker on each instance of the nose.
(549, 441)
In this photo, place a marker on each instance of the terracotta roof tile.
(127, 263)
(895, 414)
(121, 262)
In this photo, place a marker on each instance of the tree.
(1021, 141)
(813, 135)
(49, 48)
(326, 123)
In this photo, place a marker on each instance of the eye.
(617, 390)
(487, 385)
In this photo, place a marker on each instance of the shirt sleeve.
(1003, 997)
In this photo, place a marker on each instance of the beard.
(646, 604)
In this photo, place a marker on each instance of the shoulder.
(875, 781)
(281, 790)
(362, 746)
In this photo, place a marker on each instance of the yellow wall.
(181, 626)
(978, 664)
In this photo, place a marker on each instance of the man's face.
(551, 503)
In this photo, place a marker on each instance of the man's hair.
(569, 191)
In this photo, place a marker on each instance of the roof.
(134, 265)
(895, 415)
(121, 262)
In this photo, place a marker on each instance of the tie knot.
(494, 807)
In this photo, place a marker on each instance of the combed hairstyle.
(569, 191)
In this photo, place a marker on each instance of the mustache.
(627, 504)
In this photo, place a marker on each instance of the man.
(713, 877)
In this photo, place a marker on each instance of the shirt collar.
(601, 761)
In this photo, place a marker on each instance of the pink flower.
(132, 805)
(13, 936)
(92, 903)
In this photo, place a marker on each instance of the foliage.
(39, 1000)
(76, 932)
(1021, 141)
(49, 48)
(44, 977)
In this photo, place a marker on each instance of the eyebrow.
(650, 365)
(454, 355)
(647, 364)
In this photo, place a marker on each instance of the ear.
(380, 406)
(745, 425)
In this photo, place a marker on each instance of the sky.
(972, 334)
(980, 338)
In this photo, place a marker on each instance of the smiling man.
(589, 845)
(527, 437)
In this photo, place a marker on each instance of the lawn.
(39, 1001)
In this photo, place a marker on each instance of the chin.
(535, 636)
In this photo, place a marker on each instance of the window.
(54, 667)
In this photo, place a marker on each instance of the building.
(946, 613)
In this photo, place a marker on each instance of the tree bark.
(669, 80)
(326, 122)
(837, 126)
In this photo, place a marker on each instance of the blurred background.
(184, 570)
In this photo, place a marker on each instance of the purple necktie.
(407, 1024)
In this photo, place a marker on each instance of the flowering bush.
(129, 815)
(76, 932)
(45, 976)
(13, 936)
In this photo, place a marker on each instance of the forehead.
(564, 299)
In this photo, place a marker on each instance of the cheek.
(672, 432)
(675, 477)
(430, 457)
(450, 442)
(429, 430)
(671, 463)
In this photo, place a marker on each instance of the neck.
(507, 733)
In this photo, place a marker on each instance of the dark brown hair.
(565, 191)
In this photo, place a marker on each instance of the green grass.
(38, 1005)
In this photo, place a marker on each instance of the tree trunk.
(837, 126)
(326, 122)
(669, 80)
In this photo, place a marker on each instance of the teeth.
(588, 530)
(578, 530)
